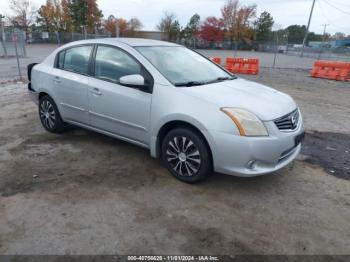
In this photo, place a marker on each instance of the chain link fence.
(18, 49)
(277, 52)
(16, 38)
(13, 43)
(60, 37)
(341, 53)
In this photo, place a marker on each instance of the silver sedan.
(190, 112)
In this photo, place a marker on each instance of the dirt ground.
(85, 193)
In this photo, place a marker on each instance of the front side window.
(76, 59)
(112, 63)
(182, 66)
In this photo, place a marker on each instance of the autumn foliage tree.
(126, 28)
(45, 14)
(51, 16)
(66, 18)
(212, 30)
(237, 20)
(69, 15)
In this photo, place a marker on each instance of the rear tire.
(50, 116)
(186, 155)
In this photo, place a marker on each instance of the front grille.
(288, 122)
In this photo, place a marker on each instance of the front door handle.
(96, 91)
(57, 79)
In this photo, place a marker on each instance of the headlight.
(247, 123)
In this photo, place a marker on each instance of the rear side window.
(112, 63)
(60, 59)
(75, 59)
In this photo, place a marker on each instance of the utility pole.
(323, 40)
(307, 28)
(1, 27)
(117, 27)
(2, 36)
(276, 49)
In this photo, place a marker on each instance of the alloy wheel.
(47, 114)
(183, 156)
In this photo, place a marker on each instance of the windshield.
(183, 67)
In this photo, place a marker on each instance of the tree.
(78, 11)
(314, 37)
(67, 23)
(192, 28)
(296, 33)
(85, 13)
(45, 14)
(50, 16)
(23, 14)
(126, 28)
(169, 25)
(110, 25)
(237, 20)
(263, 26)
(134, 25)
(212, 30)
(94, 15)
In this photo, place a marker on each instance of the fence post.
(276, 50)
(14, 40)
(3, 36)
(24, 37)
(4, 47)
(58, 38)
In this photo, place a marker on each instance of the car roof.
(128, 41)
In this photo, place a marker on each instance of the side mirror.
(136, 81)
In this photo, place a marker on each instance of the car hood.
(265, 102)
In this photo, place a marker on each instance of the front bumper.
(254, 156)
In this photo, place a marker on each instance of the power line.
(338, 3)
(335, 7)
(328, 20)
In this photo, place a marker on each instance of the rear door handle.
(57, 80)
(96, 91)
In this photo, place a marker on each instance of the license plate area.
(299, 138)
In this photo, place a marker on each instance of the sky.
(334, 13)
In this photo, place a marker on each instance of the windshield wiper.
(220, 79)
(199, 83)
(223, 78)
(190, 83)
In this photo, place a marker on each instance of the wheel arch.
(170, 125)
(42, 93)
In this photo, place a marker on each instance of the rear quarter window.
(75, 59)
(60, 59)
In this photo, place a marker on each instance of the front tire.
(50, 116)
(186, 155)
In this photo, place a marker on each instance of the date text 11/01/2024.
(173, 258)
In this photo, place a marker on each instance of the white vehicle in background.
(282, 48)
(190, 112)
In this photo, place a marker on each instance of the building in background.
(340, 43)
(156, 35)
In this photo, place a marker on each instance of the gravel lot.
(85, 193)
